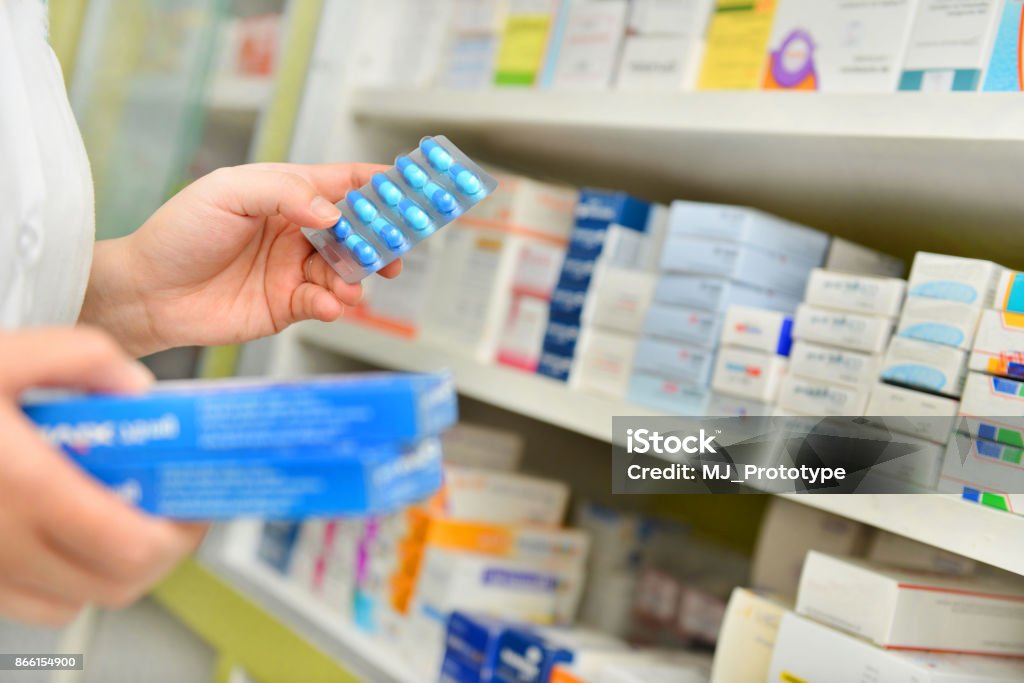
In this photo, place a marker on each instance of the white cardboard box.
(848, 330)
(832, 364)
(722, 405)
(589, 46)
(939, 322)
(757, 329)
(838, 46)
(916, 413)
(683, 325)
(928, 367)
(503, 497)
(603, 362)
(907, 610)
(814, 397)
(857, 293)
(900, 551)
(748, 226)
(748, 374)
(618, 298)
(788, 531)
(950, 44)
(810, 652)
(745, 644)
(953, 278)
(999, 345)
(475, 445)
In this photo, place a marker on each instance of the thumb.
(68, 357)
(256, 191)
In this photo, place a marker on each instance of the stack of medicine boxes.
(753, 355)
(714, 256)
(945, 297)
(602, 217)
(841, 331)
(616, 306)
(984, 464)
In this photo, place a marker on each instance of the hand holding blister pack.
(425, 190)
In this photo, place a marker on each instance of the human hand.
(67, 540)
(224, 261)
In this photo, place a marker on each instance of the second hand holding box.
(216, 450)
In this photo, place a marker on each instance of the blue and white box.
(684, 325)
(666, 395)
(748, 226)
(757, 329)
(924, 366)
(954, 278)
(935, 321)
(215, 450)
(743, 263)
(670, 360)
(718, 293)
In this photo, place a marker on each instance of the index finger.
(332, 181)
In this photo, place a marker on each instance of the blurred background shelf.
(940, 520)
(249, 94)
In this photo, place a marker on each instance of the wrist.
(115, 302)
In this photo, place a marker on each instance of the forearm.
(116, 302)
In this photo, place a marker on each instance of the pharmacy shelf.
(948, 116)
(900, 172)
(520, 392)
(940, 520)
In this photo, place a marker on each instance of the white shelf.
(520, 392)
(945, 116)
(940, 520)
(901, 172)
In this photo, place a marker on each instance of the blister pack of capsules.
(425, 190)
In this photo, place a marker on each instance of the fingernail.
(324, 209)
(142, 376)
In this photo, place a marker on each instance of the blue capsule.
(436, 155)
(362, 250)
(387, 190)
(342, 229)
(389, 234)
(465, 180)
(365, 209)
(441, 198)
(416, 217)
(413, 174)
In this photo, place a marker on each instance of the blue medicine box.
(325, 446)
(195, 417)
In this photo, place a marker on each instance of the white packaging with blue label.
(426, 189)
(929, 367)
(215, 450)
(952, 278)
(832, 364)
(939, 322)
